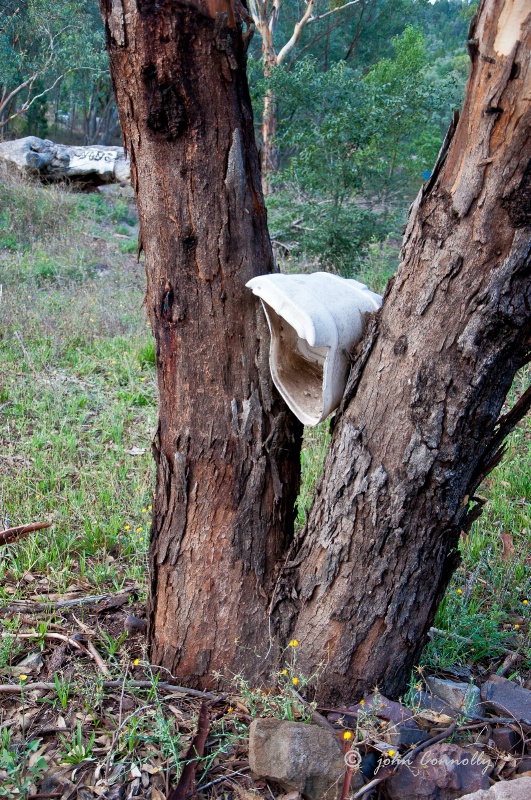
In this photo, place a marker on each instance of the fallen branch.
(12, 534)
(92, 600)
(11, 688)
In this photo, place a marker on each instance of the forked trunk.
(421, 424)
(227, 449)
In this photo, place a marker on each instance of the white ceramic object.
(314, 320)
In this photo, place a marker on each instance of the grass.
(77, 417)
(77, 391)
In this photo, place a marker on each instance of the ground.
(77, 416)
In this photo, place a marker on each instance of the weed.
(77, 750)
(20, 770)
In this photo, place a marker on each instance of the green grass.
(77, 391)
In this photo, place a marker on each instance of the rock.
(299, 757)
(381, 707)
(505, 739)
(441, 772)
(404, 736)
(524, 765)
(518, 789)
(91, 166)
(461, 696)
(427, 701)
(507, 698)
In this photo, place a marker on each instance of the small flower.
(293, 643)
(459, 591)
(139, 530)
(347, 735)
(91, 319)
(136, 662)
(127, 527)
(284, 672)
(236, 639)
(230, 710)
(141, 539)
(294, 681)
(37, 497)
(391, 753)
(383, 723)
(525, 602)
(150, 508)
(517, 627)
(362, 702)
(142, 379)
(144, 511)
(23, 678)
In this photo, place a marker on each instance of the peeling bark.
(227, 449)
(420, 426)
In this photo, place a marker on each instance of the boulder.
(518, 789)
(92, 165)
(440, 772)
(299, 757)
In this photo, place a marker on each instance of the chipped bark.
(227, 449)
(420, 426)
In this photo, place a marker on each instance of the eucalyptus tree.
(421, 422)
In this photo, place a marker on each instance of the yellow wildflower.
(136, 662)
(23, 678)
(127, 527)
(525, 602)
(391, 753)
(347, 735)
(294, 681)
(139, 530)
(517, 627)
(293, 643)
(284, 672)
(230, 710)
(459, 591)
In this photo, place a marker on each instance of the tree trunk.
(227, 449)
(420, 424)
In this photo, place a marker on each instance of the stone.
(517, 789)
(381, 707)
(440, 772)
(405, 736)
(507, 698)
(461, 696)
(505, 739)
(524, 765)
(299, 757)
(91, 165)
(427, 701)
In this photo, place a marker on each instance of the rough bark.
(227, 449)
(420, 424)
(93, 165)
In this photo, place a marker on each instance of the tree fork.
(422, 425)
(227, 449)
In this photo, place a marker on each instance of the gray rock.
(299, 757)
(519, 789)
(441, 772)
(507, 698)
(524, 765)
(462, 696)
(405, 736)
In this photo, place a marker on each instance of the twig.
(12, 534)
(100, 663)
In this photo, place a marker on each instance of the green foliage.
(15, 759)
(356, 148)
